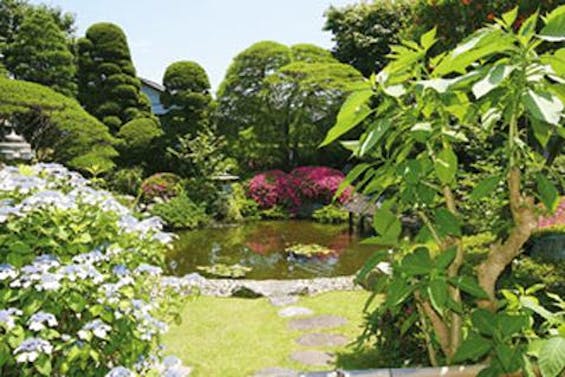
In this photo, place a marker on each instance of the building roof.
(152, 84)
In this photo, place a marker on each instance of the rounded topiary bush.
(81, 291)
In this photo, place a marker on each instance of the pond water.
(260, 245)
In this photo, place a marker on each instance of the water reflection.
(261, 246)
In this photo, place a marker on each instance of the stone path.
(320, 322)
(319, 356)
(322, 340)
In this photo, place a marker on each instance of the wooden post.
(351, 225)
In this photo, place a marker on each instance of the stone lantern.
(13, 147)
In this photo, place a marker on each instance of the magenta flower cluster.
(558, 218)
(303, 184)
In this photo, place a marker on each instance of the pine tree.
(40, 53)
(187, 98)
(108, 86)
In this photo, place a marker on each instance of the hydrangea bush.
(303, 184)
(81, 287)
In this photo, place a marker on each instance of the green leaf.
(408, 323)
(418, 262)
(375, 259)
(548, 193)
(19, 247)
(387, 224)
(485, 187)
(445, 166)
(511, 324)
(472, 348)
(43, 365)
(447, 223)
(469, 285)
(445, 258)
(554, 29)
(351, 114)
(552, 357)
(484, 321)
(510, 16)
(428, 39)
(542, 131)
(438, 292)
(544, 106)
(376, 132)
(398, 291)
(351, 177)
(492, 80)
(507, 357)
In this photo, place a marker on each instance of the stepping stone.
(294, 311)
(276, 372)
(319, 322)
(312, 358)
(283, 300)
(322, 340)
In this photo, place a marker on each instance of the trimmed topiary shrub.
(107, 77)
(138, 138)
(58, 123)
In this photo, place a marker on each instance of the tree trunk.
(501, 254)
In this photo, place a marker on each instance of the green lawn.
(236, 337)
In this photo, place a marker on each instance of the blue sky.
(210, 32)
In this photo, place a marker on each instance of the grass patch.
(237, 337)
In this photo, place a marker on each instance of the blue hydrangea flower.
(30, 349)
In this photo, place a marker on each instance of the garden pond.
(261, 246)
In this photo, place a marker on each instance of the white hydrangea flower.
(145, 268)
(37, 321)
(97, 327)
(48, 198)
(30, 349)
(8, 317)
(7, 272)
(92, 257)
(120, 372)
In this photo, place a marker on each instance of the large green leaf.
(445, 166)
(552, 357)
(485, 187)
(352, 113)
(417, 263)
(438, 292)
(484, 321)
(542, 131)
(472, 348)
(511, 324)
(547, 192)
(495, 76)
(445, 258)
(544, 106)
(469, 285)
(387, 224)
(376, 132)
(446, 222)
(554, 29)
(397, 292)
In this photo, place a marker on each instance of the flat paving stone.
(318, 322)
(322, 340)
(283, 300)
(276, 372)
(312, 358)
(294, 311)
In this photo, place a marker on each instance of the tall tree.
(39, 52)
(363, 32)
(187, 98)
(13, 13)
(276, 102)
(108, 86)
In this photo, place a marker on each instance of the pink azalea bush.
(557, 220)
(306, 183)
